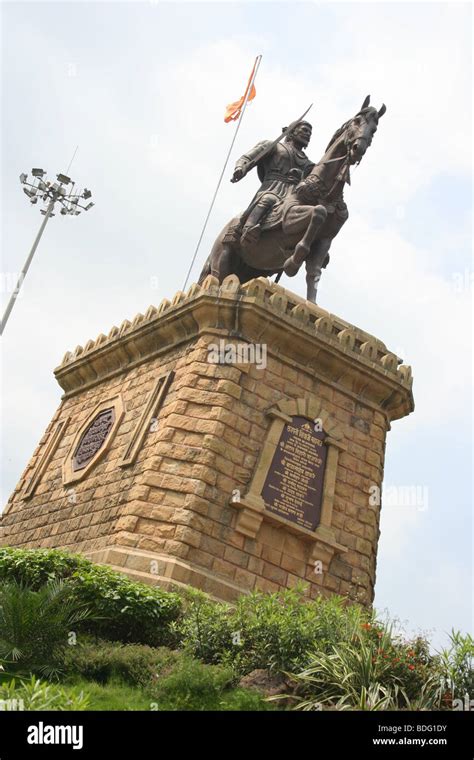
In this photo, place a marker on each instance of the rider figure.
(279, 170)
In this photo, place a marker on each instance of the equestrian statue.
(298, 209)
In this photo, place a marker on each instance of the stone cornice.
(252, 312)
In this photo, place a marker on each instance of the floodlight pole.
(22, 276)
(50, 193)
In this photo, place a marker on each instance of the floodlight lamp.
(51, 193)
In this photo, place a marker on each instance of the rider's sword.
(268, 149)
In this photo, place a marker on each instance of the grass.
(172, 694)
(192, 685)
(135, 677)
(111, 696)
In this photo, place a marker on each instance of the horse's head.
(357, 133)
(347, 146)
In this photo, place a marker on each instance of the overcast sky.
(141, 88)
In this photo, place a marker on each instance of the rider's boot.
(252, 229)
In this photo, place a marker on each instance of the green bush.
(456, 667)
(343, 655)
(271, 631)
(156, 679)
(35, 625)
(130, 611)
(405, 662)
(133, 664)
(38, 695)
(192, 685)
(121, 609)
(35, 567)
(375, 670)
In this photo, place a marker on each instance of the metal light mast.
(49, 193)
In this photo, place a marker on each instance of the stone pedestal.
(157, 456)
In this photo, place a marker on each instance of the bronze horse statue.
(300, 227)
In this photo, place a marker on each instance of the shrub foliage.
(334, 653)
(120, 609)
(271, 631)
(34, 626)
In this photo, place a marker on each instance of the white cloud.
(382, 283)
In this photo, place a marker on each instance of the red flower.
(411, 667)
(367, 626)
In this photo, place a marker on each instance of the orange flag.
(233, 110)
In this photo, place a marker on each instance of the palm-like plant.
(374, 697)
(457, 665)
(349, 676)
(343, 672)
(34, 626)
(34, 694)
(359, 675)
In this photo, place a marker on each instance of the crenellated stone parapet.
(322, 340)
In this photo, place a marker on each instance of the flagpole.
(244, 106)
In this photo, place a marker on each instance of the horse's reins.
(330, 160)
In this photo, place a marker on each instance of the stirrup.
(251, 235)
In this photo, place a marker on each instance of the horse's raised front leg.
(303, 248)
(314, 266)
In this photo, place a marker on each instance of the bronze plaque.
(93, 439)
(293, 488)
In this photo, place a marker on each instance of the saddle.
(276, 215)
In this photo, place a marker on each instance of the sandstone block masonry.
(154, 460)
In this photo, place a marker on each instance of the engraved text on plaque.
(93, 439)
(293, 487)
